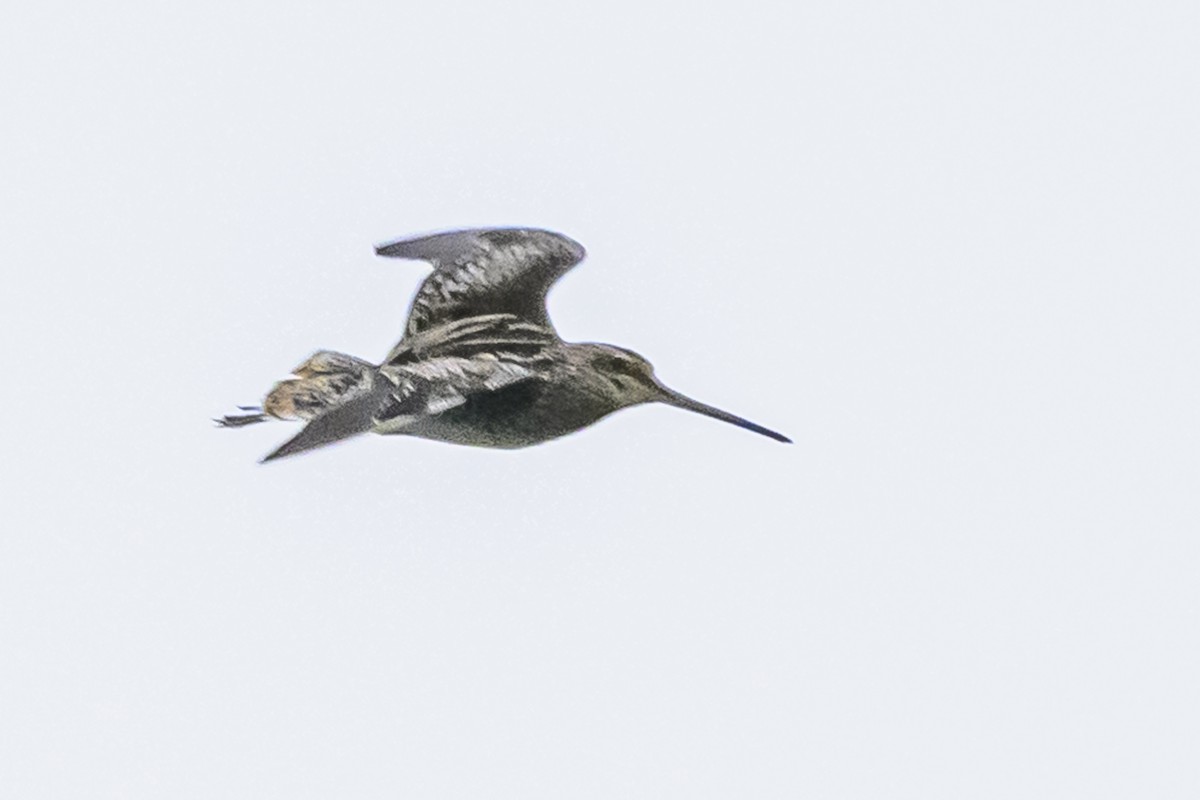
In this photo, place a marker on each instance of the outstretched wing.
(485, 271)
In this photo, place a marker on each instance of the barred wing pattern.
(485, 271)
(473, 336)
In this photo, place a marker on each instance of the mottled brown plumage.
(479, 363)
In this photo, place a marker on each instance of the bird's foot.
(247, 415)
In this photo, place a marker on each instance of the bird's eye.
(612, 366)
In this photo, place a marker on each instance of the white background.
(950, 248)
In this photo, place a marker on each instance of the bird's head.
(622, 375)
(628, 379)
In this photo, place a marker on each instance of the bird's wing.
(341, 422)
(436, 385)
(485, 271)
(406, 394)
(472, 336)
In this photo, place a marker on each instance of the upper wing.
(474, 336)
(485, 271)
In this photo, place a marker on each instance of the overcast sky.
(951, 249)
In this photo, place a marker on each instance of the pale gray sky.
(949, 248)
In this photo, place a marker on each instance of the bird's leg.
(247, 415)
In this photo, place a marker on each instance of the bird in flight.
(479, 363)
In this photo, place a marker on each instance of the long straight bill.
(673, 398)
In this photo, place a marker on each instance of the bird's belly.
(489, 435)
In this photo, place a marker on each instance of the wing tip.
(420, 247)
(430, 246)
(277, 453)
(391, 249)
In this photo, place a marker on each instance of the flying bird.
(479, 362)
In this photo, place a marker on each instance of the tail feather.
(247, 415)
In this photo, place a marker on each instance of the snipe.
(479, 364)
